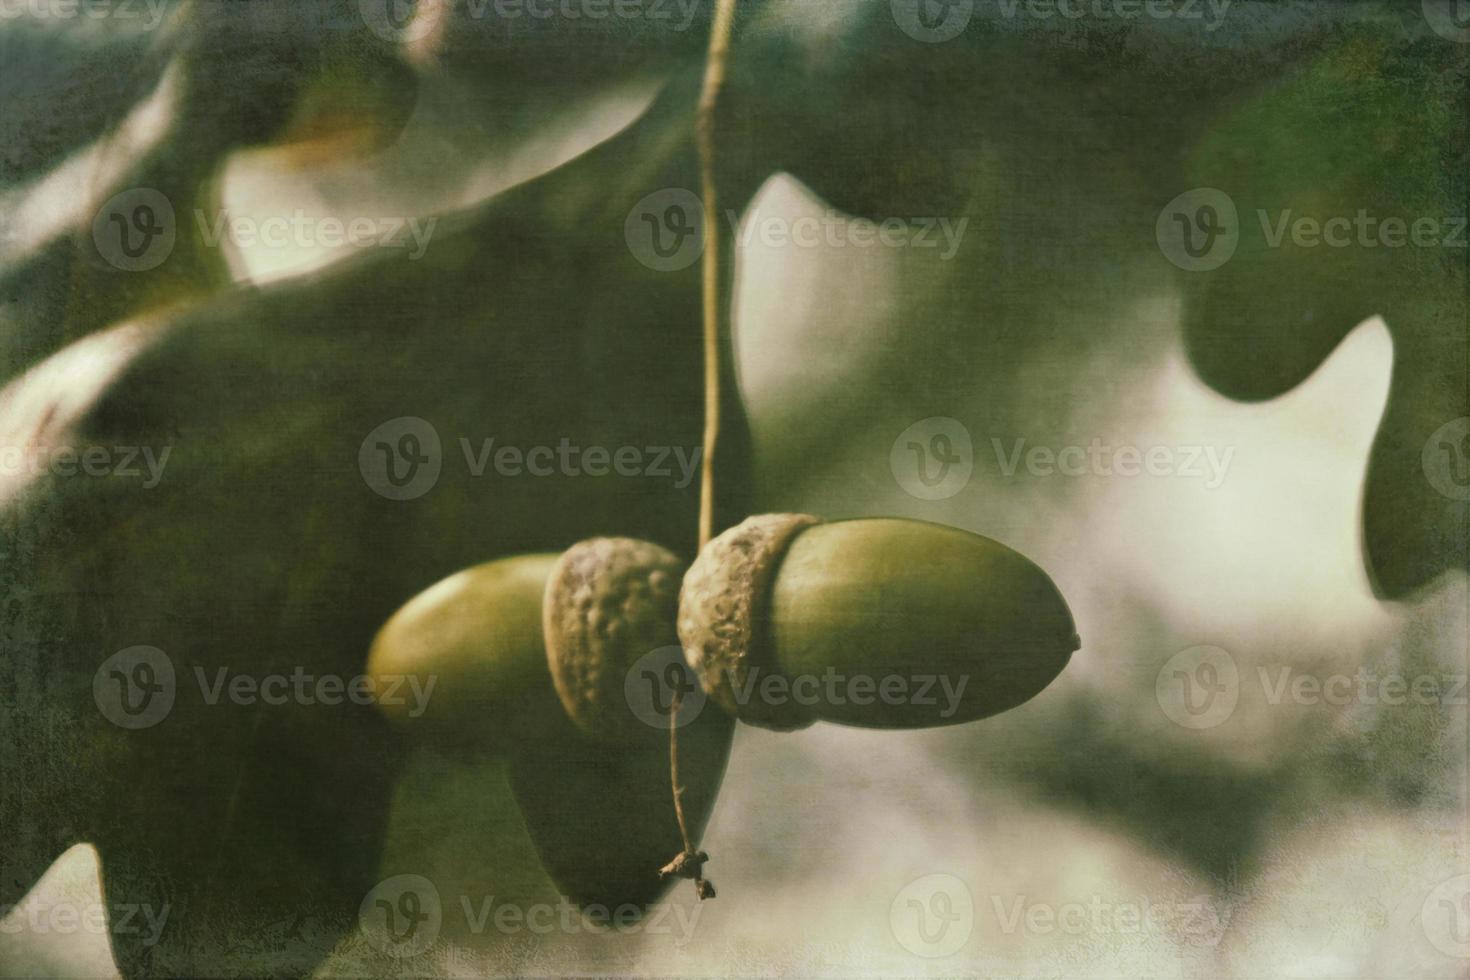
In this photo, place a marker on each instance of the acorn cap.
(608, 602)
(723, 601)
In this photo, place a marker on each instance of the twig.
(690, 863)
(674, 706)
(714, 82)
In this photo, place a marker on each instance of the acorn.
(476, 636)
(878, 623)
(591, 778)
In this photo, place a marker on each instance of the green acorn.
(590, 775)
(477, 635)
(878, 623)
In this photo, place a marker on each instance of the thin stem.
(675, 705)
(714, 82)
(709, 98)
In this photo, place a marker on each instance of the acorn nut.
(879, 623)
(476, 636)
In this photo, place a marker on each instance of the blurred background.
(1256, 765)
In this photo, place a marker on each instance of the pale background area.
(1346, 819)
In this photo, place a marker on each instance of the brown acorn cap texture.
(722, 607)
(608, 602)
